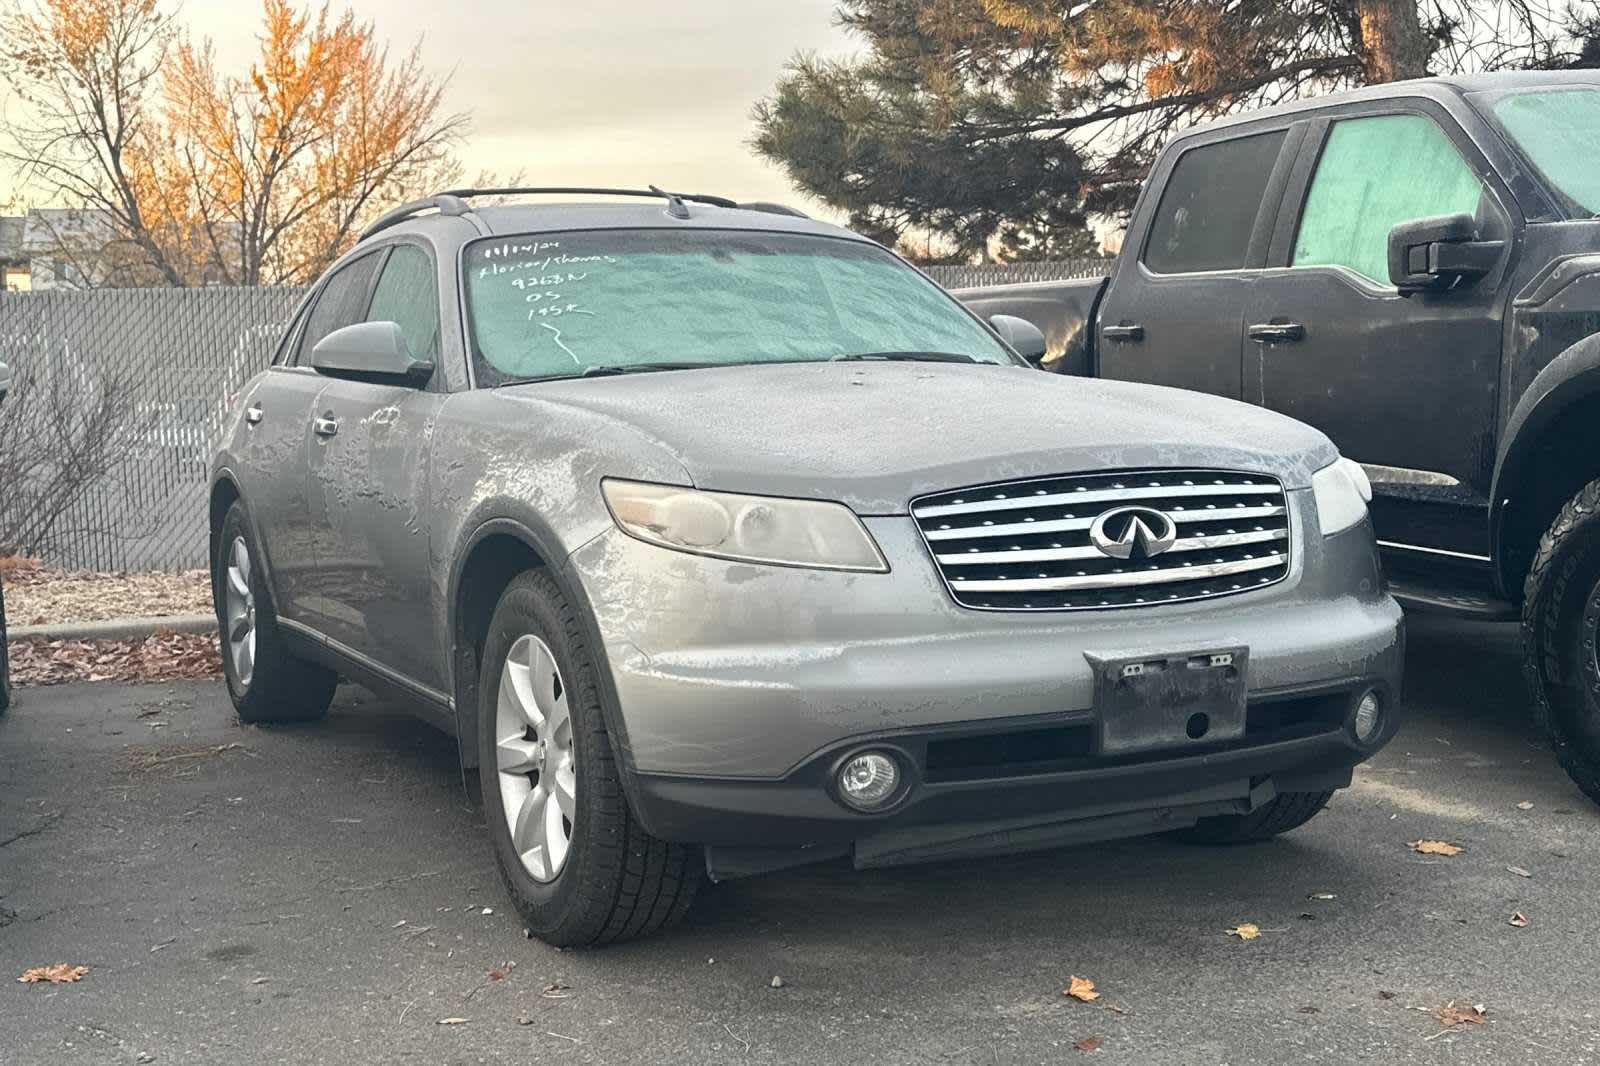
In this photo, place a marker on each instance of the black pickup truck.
(1414, 269)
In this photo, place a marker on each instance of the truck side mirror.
(1432, 254)
(5, 381)
(1025, 338)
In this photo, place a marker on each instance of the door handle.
(1277, 332)
(325, 427)
(1122, 333)
(253, 414)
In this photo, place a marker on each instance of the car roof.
(1444, 90)
(537, 217)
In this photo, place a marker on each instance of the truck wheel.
(1560, 623)
(1291, 810)
(266, 683)
(579, 868)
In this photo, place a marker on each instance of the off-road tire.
(1284, 812)
(282, 688)
(1560, 608)
(618, 882)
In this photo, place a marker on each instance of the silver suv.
(725, 541)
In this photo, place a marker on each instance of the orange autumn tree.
(207, 176)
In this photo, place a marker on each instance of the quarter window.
(1210, 205)
(1374, 173)
(342, 302)
(408, 295)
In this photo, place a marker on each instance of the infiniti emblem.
(1133, 533)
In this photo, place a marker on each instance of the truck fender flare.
(1571, 377)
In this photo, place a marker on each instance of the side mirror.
(1432, 254)
(370, 351)
(1025, 338)
(5, 381)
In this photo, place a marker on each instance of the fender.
(532, 530)
(1571, 377)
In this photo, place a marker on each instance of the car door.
(1173, 313)
(272, 462)
(1406, 385)
(369, 463)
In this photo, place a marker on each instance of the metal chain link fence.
(176, 358)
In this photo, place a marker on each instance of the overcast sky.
(592, 92)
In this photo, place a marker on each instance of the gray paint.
(719, 668)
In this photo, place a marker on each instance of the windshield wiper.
(607, 370)
(909, 357)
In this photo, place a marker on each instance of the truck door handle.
(253, 414)
(1276, 332)
(1122, 333)
(325, 427)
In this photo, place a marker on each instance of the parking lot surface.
(326, 894)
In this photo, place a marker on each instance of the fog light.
(1369, 716)
(869, 781)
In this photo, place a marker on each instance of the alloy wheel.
(537, 766)
(240, 601)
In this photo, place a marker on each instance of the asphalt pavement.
(326, 894)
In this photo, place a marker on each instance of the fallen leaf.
(1525, 806)
(1081, 988)
(777, 982)
(1519, 871)
(1245, 931)
(1322, 895)
(452, 1021)
(503, 972)
(1434, 847)
(556, 990)
(1451, 1015)
(1518, 919)
(59, 974)
(1088, 1043)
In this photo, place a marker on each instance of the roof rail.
(773, 209)
(453, 201)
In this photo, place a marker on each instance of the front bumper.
(737, 686)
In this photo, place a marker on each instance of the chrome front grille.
(1025, 545)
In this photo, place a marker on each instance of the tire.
(273, 686)
(1289, 810)
(1560, 615)
(596, 877)
(5, 659)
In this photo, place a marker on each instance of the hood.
(876, 435)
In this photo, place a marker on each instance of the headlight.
(1342, 492)
(751, 529)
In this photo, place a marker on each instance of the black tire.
(1284, 812)
(281, 687)
(1560, 615)
(5, 658)
(617, 882)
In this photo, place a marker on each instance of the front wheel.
(1560, 624)
(579, 867)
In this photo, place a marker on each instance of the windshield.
(557, 304)
(1558, 130)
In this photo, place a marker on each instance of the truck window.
(1376, 172)
(1209, 207)
(1556, 129)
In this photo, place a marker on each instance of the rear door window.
(342, 302)
(1209, 207)
(408, 295)
(1376, 172)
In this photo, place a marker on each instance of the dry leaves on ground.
(59, 974)
(1451, 1015)
(1518, 919)
(1434, 847)
(165, 656)
(1081, 988)
(453, 1021)
(1088, 1043)
(1245, 931)
(51, 597)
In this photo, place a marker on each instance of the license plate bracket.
(1152, 702)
